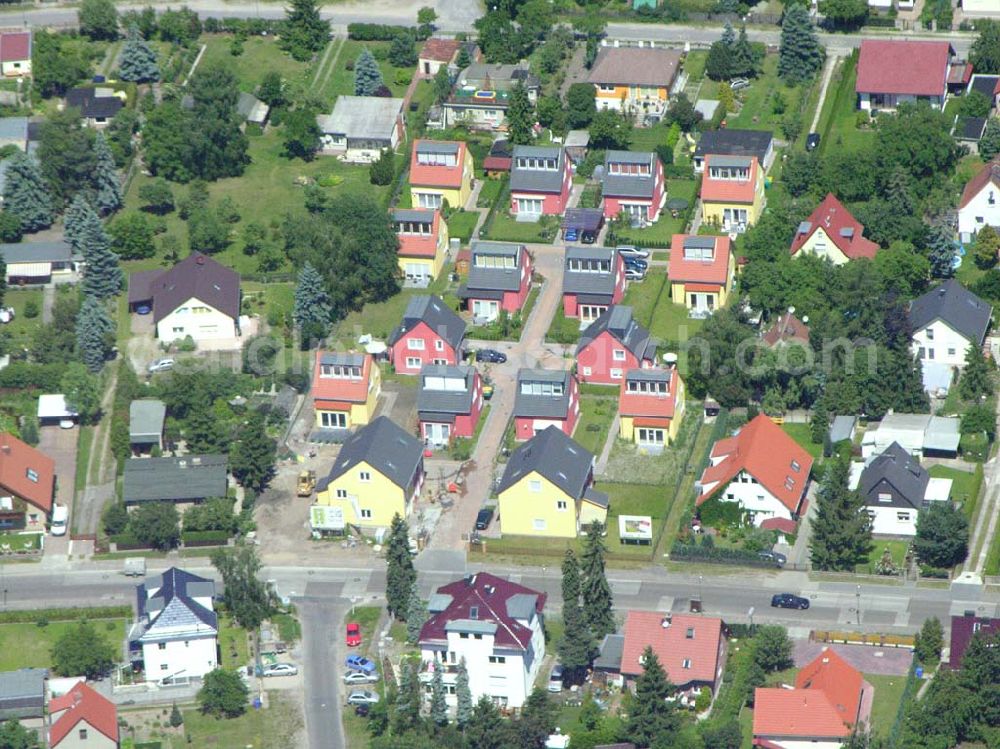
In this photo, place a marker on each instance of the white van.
(60, 517)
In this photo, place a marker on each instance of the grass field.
(341, 80)
(651, 306)
(596, 414)
(964, 487)
(888, 693)
(563, 329)
(802, 435)
(897, 550)
(838, 119)
(261, 55)
(27, 645)
(270, 728)
(233, 644)
(22, 328)
(660, 233)
(505, 228)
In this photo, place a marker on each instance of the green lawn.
(367, 618)
(964, 488)
(652, 306)
(27, 645)
(270, 728)
(341, 80)
(694, 64)
(233, 644)
(489, 192)
(563, 329)
(838, 120)
(461, 224)
(888, 693)
(758, 111)
(83, 446)
(260, 56)
(660, 233)
(22, 328)
(897, 549)
(505, 228)
(801, 433)
(596, 414)
(993, 558)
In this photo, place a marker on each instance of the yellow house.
(378, 474)
(701, 271)
(732, 192)
(440, 171)
(651, 407)
(634, 79)
(832, 232)
(423, 244)
(345, 389)
(546, 488)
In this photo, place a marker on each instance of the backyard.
(596, 415)
(652, 306)
(802, 434)
(659, 234)
(838, 121)
(28, 645)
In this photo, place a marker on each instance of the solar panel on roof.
(705, 243)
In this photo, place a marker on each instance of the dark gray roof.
(556, 457)
(629, 185)
(583, 219)
(332, 358)
(437, 147)
(590, 282)
(168, 601)
(145, 420)
(618, 321)
(655, 374)
(842, 428)
(91, 105)
(522, 606)
(55, 251)
(597, 497)
(897, 467)
(971, 128)
(22, 692)
(436, 314)
(383, 445)
(957, 307)
(495, 279)
(437, 401)
(197, 276)
(542, 406)
(733, 142)
(416, 215)
(704, 243)
(984, 84)
(185, 479)
(610, 658)
(537, 180)
(251, 109)
(731, 161)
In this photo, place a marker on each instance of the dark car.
(634, 262)
(789, 601)
(484, 518)
(812, 141)
(571, 234)
(588, 237)
(777, 558)
(491, 355)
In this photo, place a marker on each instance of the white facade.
(889, 102)
(988, 8)
(196, 319)
(804, 743)
(982, 209)
(180, 658)
(752, 496)
(941, 344)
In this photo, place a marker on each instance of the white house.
(980, 202)
(895, 487)
(496, 627)
(360, 127)
(174, 636)
(946, 321)
(761, 468)
(198, 297)
(918, 434)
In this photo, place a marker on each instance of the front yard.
(28, 645)
(660, 234)
(652, 306)
(802, 434)
(596, 414)
(505, 228)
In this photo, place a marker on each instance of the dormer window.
(340, 372)
(646, 387)
(32, 475)
(795, 466)
(482, 260)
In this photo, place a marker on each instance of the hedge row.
(382, 32)
(205, 538)
(690, 552)
(65, 614)
(22, 374)
(127, 542)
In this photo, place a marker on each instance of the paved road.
(321, 619)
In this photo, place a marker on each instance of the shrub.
(381, 32)
(936, 572)
(31, 309)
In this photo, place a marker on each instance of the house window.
(535, 485)
(690, 633)
(83, 734)
(586, 371)
(650, 436)
(164, 667)
(32, 475)
(795, 466)
(162, 645)
(341, 493)
(951, 352)
(884, 497)
(439, 345)
(463, 635)
(365, 476)
(903, 517)
(539, 524)
(619, 354)
(477, 637)
(333, 419)
(366, 514)
(415, 344)
(930, 354)
(930, 334)
(686, 663)
(498, 659)
(616, 374)
(178, 330)
(413, 362)
(561, 504)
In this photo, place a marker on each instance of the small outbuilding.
(52, 410)
(145, 425)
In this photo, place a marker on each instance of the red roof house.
(762, 468)
(787, 329)
(430, 333)
(832, 232)
(421, 241)
(650, 406)
(83, 715)
(728, 190)
(701, 270)
(891, 72)
(963, 629)
(27, 479)
(15, 53)
(499, 280)
(613, 344)
(691, 649)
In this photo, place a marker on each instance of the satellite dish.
(791, 310)
(670, 358)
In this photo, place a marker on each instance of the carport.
(586, 222)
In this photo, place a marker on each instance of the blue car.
(571, 235)
(360, 663)
(636, 263)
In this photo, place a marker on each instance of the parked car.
(484, 518)
(812, 141)
(556, 678)
(279, 669)
(636, 264)
(362, 710)
(360, 663)
(161, 365)
(60, 514)
(352, 676)
(737, 83)
(572, 234)
(362, 697)
(143, 309)
(776, 557)
(491, 356)
(634, 274)
(789, 601)
(353, 635)
(629, 251)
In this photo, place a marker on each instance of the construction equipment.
(307, 482)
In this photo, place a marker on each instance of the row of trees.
(587, 604)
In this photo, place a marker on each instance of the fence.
(909, 692)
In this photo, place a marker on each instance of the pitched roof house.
(731, 141)
(635, 79)
(691, 649)
(145, 424)
(430, 333)
(832, 232)
(27, 480)
(701, 271)
(633, 184)
(482, 91)
(449, 402)
(36, 263)
(440, 170)
(963, 629)
(732, 192)
(544, 398)
(593, 280)
(188, 478)
(614, 343)
(198, 297)
(22, 695)
(650, 407)
(436, 53)
(761, 468)
(895, 487)
(946, 321)
(892, 71)
(979, 205)
(345, 389)
(499, 280)
(496, 626)
(15, 53)
(423, 244)
(546, 488)
(83, 715)
(97, 106)
(787, 329)
(360, 127)
(540, 181)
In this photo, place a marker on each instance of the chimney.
(666, 621)
(200, 260)
(6, 449)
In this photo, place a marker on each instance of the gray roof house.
(543, 394)
(620, 182)
(22, 693)
(619, 323)
(538, 169)
(436, 315)
(252, 109)
(494, 269)
(592, 274)
(956, 307)
(445, 391)
(360, 127)
(38, 262)
(894, 477)
(14, 132)
(558, 458)
(145, 422)
(842, 428)
(190, 478)
(387, 448)
(734, 142)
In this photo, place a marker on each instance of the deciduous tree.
(223, 694)
(301, 134)
(772, 650)
(132, 236)
(844, 14)
(98, 19)
(985, 250)
(82, 651)
(156, 524)
(985, 51)
(248, 598)
(580, 105)
(157, 197)
(610, 129)
(15, 736)
(682, 111)
(83, 392)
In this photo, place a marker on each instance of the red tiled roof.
(334, 391)
(672, 645)
(423, 175)
(421, 245)
(729, 190)
(764, 450)
(16, 461)
(989, 174)
(805, 713)
(15, 46)
(82, 703)
(837, 679)
(497, 163)
(647, 404)
(787, 328)
(489, 594)
(439, 50)
(840, 226)
(902, 67)
(714, 271)
(783, 525)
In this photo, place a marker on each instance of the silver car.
(362, 697)
(161, 365)
(353, 676)
(280, 669)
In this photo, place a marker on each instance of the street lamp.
(859, 604)
(701, 597)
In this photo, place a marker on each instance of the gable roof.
(437, 401)
(196, 276)
(343, 389)
(957, 307)
(168, 600)
(529, 405)
(695, 639)
(15, 46)
(837, 679)
(963, 629)
(81, 703)
(591, 281)
(554, 456)
(763, 450)
(730, 190)
(483, 602)
(839, 225)
(653, 405)
(692, 270)
(630, 185)
(383, 445)
(437, 175)
(538, 180)
(786, 328)
(54, 251)
(434, 313)
(988, 175)
(439, 50)
(362, 117)
(618, 322)
(730, 141)
(27, 472)
(903, 67)
(175, 479)
(796, 712)
(636, 66)
(93, 102)
(899, 469)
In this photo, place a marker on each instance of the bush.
(381, 32)
(205, 538)
(716, 513)
(682, 552)
(936, 572)
(65, 614)
(974, 447)
(31, 309)
(403, 77)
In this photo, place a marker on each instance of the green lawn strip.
(261, 55)
(273, 726)
(26, 645)
(839, 116)
(671, 322)
(596, 415)
(233, 643)
(83, 456)
(746, 727)
(489, 192)
(643, 296)
(367, 618)
(802, 434)
(648, 138)
(685, 492)
(897, 549)
(563, 329)
(22, 328)
(694, 64)
(993, 558)
(356, 733)
(965, 487)
(657, 235)
(885, 705)
(19, 541)
(461, 224)
(505, 228)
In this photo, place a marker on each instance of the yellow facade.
(631, 97)
(627, 430)
(359, 414)
(714, 211)
(822, 246)
(435, 264)
(366, 497)
(589, 512)
(534, 506)
(678, 295)
(457, 197)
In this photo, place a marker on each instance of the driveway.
(60, 445)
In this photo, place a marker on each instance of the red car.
(353, 636)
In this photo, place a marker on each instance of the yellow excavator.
(307, 482)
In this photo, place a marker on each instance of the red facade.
(613, 203)
(418, 347)
(553, 203)
(571, 303)
(526, 426)
(511, 301)
(605, 360)
(464, 424)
